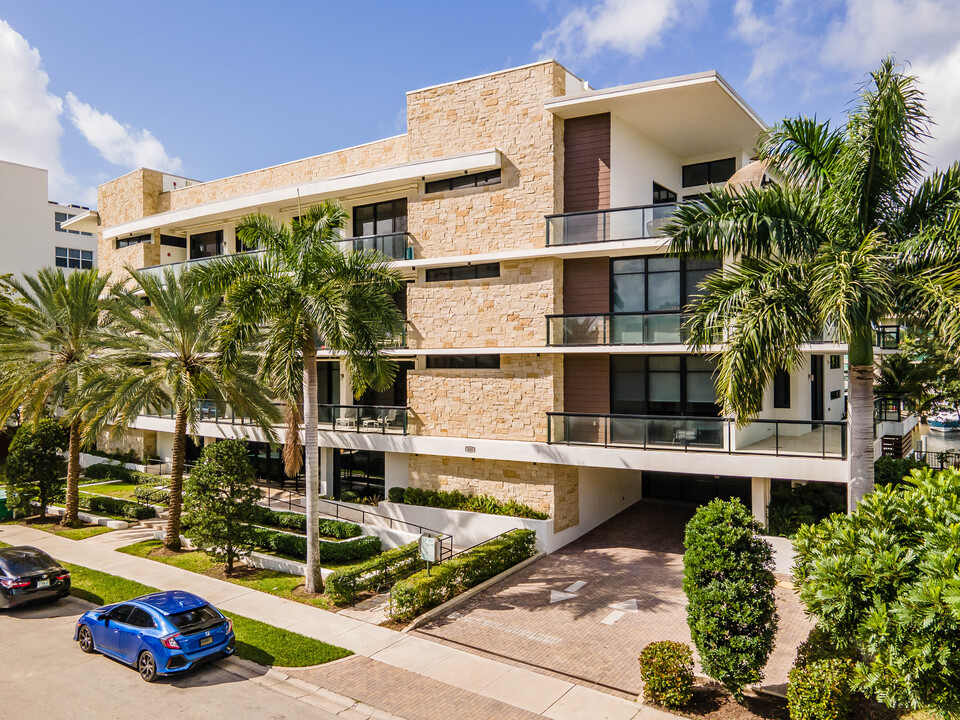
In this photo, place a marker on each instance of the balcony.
(629, 223)
(639, 328)
(396, 246)
(888, 337)
(780, 438)
(380, 419)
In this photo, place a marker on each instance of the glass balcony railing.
(888, 337)
(629, 223)
(383, 419)
(650, 328)
(782, 438)
(396, 246)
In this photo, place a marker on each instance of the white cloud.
(30, 127)
(940, 80)
(630, 26)
(777, 38)
(120, 144)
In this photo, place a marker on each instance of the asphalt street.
(43, 673)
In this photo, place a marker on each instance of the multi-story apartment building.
(32, 231)
(544, 358)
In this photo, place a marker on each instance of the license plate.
(206, 641)
(43, 584)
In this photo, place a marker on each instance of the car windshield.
(196, 619)
(20, 562)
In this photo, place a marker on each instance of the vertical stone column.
(760, 498)
(326, 471)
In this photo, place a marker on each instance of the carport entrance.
(698, 489)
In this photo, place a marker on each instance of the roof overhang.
(279, 199)
(87, 221)
(690, 115)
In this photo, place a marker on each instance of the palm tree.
(166, 357)
(301, 287)
(53, 335)
(851, 233)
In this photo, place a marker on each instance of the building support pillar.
(760, 498)
(326, 471)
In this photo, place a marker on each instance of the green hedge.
(456, 500)
(298, 523)
(667, 671)
(361, 548)
(106, 471)
(116, 506)
(421, 592)
(820, 690)
(152, 494)
(343, 586)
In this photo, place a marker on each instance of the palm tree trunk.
(860, 419)
(314, 581)
(72, 514)
(171, 540)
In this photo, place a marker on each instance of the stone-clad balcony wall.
(503, 110)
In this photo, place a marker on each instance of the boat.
(944, 420)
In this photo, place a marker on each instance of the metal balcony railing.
(637, 328)
(382, 419)
(781, 438)
(626, 223)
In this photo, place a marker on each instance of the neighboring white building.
(31, 236)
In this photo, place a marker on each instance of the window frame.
(714, 175)
(467, 180)
(781, 389)
(481, 271)
(463, 362)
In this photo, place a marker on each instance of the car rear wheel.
(147, 666)
(86, 640)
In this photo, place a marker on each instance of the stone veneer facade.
(503, 110)
(552, 489)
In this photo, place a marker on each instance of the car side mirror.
(104, 617)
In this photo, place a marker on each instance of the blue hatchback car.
(159, 634)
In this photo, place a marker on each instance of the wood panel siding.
(586, 286)
(586, 163)
(586, 384)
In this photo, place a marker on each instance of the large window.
(662, 195)
(208, 244)
(706, 173)
(74, 258)
(380, 218)
(663, 385)
(656, 283)
(359, 472)
(491, 177)
(173, 241)
(463, 272)
(463, 362)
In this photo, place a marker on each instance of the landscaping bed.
(256, 641)
(456, 500)
(52, 525)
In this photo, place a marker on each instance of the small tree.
(728, 580)
(884, 583)
(36, 469)
(221, 502)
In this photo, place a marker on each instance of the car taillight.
(15, 583)
(170, 642)
(229, 625)
(65, 576)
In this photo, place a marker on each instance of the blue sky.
(208, 89)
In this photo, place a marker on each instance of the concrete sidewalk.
(514, 686)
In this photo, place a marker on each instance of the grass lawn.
(52, 526)
(122, 490)
(268, 581)
(256, 641)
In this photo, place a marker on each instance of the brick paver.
(405, 693)
(638, 555)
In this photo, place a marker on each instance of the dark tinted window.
(490, 177)
(196, 619)
(781, 389)
(19, 562)
(464, 362)
(121, 613)
(380, 218)
(715, 171)
(208, 244)
(127, 242)
(140, 618)
(463, 272)
(173, 241)
(663, 195)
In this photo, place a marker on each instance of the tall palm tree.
(166, 357)
(298, 288)
(850, 234)
(53, 335)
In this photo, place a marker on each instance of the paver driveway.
(635, 557)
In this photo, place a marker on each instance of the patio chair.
(382, 422)
(348, 419)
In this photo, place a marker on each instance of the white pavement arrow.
(557, 596)
(629, 606)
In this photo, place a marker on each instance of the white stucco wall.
(636, 162)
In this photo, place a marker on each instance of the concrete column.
(396, 473)
(326, 470)
(760, 498)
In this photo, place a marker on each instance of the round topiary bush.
(667, 671)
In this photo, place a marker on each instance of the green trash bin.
(5, 514)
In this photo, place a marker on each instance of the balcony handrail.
(697, 418)
(367, 407)
(678, 311)
(614, 209)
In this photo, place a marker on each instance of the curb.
(305, 692)
(464, 596)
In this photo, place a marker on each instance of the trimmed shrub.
(116, 506)
(139, 512)
(421, 592)
(35, 466)
(342, 551)
(456, 500)
(793, 505)
(343, 586)
(151, 494)
(728, 580)
(820, 690)
(296, 522)
(894, 471)
(106, 471)
(667, 671)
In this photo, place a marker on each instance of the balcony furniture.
(682, 435)
(348, 420)
(382, 422)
